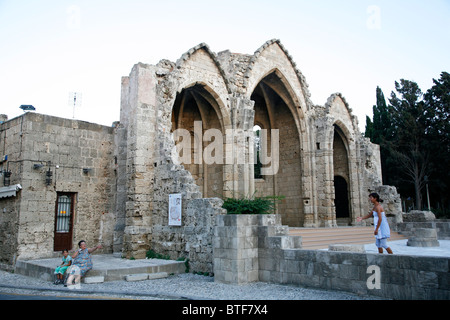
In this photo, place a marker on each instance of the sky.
(50, 49)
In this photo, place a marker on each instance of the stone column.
(140, 146)
(235, 249)
(239, 149)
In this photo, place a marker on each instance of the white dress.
(384, 231)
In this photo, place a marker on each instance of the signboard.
(175, 209)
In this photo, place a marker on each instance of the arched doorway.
(341, 177)
(195, 110)
(273, 105)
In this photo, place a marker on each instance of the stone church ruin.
(65, 180)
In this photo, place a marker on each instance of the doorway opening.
(64, 221)
(341, 201)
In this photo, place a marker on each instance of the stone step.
(146, 276)
(106, 266)
(97, 279)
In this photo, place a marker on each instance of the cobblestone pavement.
(175, 287)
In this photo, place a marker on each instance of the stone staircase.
(321, 238)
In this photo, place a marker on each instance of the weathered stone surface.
(146, 276)
(96, 279)
(347, 247)
(418, 216)
(423, 237)
(157, 275)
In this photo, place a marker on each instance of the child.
(60, 270)
(382, 231)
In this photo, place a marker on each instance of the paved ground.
(400, 247)
(187, 286)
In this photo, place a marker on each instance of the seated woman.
(81, 263)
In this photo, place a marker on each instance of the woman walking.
(382, 231)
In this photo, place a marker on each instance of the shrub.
(251, 205)
(153, 255)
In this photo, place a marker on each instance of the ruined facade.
(324, 167)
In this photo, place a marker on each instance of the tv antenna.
(75, 101)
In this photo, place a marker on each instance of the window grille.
(63, 214)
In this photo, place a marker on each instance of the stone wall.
(193, 239)
(9, 229)
(65, 147)
(399, 277)
(248, 249)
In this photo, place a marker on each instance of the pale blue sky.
(50, 48)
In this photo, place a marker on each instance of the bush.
(153, 255)
(251, 205)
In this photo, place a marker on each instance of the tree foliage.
(413, 134)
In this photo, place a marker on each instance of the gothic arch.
(338, 108)
(199, 91)
(200, 67)
(196, 110)
(341, 176)
(272, 68)
(270, 56)
(273, 110)
(187, 56)
(342, 139)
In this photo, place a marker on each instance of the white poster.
(175, 209)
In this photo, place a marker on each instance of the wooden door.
(64, 221)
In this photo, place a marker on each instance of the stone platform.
(322, 238)
(105, 265)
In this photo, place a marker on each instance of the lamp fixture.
(6, 178)
(37, 166)
(48, 177)
(27, 107)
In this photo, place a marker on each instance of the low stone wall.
(386, 276)
(278, 259)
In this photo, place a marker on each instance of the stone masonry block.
(157, 275)
(136, 277)
(97, 279)
(347, 247)
(284, 242)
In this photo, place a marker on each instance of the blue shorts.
(381, 243)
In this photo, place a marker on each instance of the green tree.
(368, 133)
(413, 132)
(381, 132)
(437, 109)
(408, 147)
(382, 120)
